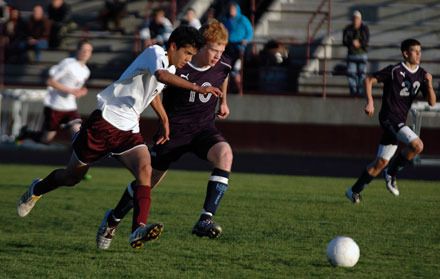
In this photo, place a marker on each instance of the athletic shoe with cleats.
(105, 233)
(391, 183)
(352, 196)
(207, 228)
(27, 200)
(145, 233)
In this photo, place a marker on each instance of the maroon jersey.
(189, 108)
(401, 87)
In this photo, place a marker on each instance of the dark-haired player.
(66, 84)
(402, 84)
(192, 129)
(113, 129)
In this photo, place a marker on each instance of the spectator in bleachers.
(114, 11)
(37, 32)
(191, 19)
(59, 13)
(240, 34)
(156, 30)
(274, 53)
(356, 37)
(13, 30)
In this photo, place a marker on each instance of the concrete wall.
(289, 109)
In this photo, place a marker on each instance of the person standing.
(356, 37)
(240, 34)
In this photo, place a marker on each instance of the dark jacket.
(38, 29)
(350, 34)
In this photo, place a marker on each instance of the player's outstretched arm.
(432, 98)
(368, 83)
(158, 108)
(170, 79)
(223, 111)
(77, 92)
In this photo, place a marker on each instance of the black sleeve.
(384, 74)
(346, 38)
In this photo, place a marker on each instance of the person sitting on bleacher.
(60, 14)
(156, 30)
(37, 32)
(13, 31)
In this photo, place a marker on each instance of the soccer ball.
(343, 251)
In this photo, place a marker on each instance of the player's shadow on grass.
(16, 245)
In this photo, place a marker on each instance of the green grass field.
(274, 227)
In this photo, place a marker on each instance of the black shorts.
(182, 141)
(390, 130)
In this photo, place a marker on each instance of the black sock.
(125, 204)
(217, 186)
(47, 184)
(397, 164)
(362, 181)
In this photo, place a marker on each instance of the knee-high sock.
(362, 181)
(141, 205)
(125, 204)
(217, 186)
(47, 184)
(397, 164)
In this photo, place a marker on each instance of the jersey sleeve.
(384, 74)
(58, 70)
(155, 59)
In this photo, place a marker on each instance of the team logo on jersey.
(185, 76)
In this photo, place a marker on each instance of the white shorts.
(404, 135)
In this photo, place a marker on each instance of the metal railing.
(312, 33)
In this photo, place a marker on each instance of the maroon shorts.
(98, 139)
(53, 119)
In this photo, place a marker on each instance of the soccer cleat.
(390, 183)
(27, 200)
(352, 196)
(105, 233)
(145, 233)
(207, 228)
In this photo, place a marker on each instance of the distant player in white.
(113, 128)
(65, 84)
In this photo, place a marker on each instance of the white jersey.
(71, 73)
(123, 101)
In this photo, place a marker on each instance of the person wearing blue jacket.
(240, 34)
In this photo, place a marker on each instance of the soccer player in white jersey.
(113, 128)
(402, 84)
(65, 84)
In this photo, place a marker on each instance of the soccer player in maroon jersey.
(402, 84)
(191, 118)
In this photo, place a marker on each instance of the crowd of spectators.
(23, 39)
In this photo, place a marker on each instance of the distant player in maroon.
(191, 118)
(403, 83)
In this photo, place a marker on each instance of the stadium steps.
(389, 23)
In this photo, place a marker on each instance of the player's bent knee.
(417, 146)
